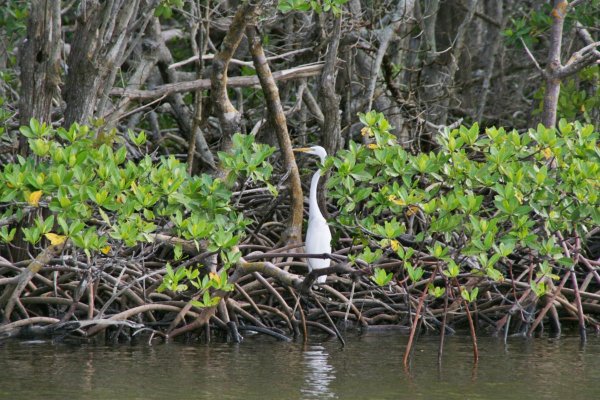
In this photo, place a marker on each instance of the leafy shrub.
(477, 202)
(79, 186)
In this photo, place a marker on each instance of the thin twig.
(531, 57)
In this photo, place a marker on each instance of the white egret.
(318, 235)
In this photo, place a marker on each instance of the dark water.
(369, 367)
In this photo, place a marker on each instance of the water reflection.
(369, 367)
(318, 374)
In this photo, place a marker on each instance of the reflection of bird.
(318, 236)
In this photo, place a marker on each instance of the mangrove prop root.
(273, 295)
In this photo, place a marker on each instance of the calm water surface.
(369, 367)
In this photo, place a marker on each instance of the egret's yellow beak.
(302, 149)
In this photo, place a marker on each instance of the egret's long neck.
(313, 209)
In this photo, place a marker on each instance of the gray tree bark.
(330, 100)
(439, 69)
(278, 121)
(40, 64)
(555, 71)
(105, 34)
(229, 116)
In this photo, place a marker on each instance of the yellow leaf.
(34, 198)
(55, 239)
(395, 200)
(519, 196)
(105, 249)
(366, 131)
(412, 210)
(547, 152)
(394, 244)
(582, 108)
(215, 277)
(373, 146)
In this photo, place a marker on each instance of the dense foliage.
(499, 197)
(483, 205)
(80, 185)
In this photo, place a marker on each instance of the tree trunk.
(559, 12)
(104, 36)
(330, 100)
(438, 74)
(40, 64)
(39, 59)
(278, 121)
(493, 43)
(229, 117)
(555, 71)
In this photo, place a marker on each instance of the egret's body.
(318, 235)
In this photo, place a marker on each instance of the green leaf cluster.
(175, 279)
(247, 159)
(381, 277)
(486, 195)
(165, 8)
(318, 6)
(531, 26)
(469, 296)
(13, 23)
(77, 185)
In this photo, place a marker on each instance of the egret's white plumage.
(318, 236)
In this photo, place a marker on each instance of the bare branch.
(531, 57)
(305, 71)
(482, 16)
(313, 107)
(575, 3)
(498, 10)
(105, 35)
(582, 58)
(586, 37)
(236, 61)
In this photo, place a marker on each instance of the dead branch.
(305, 71)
